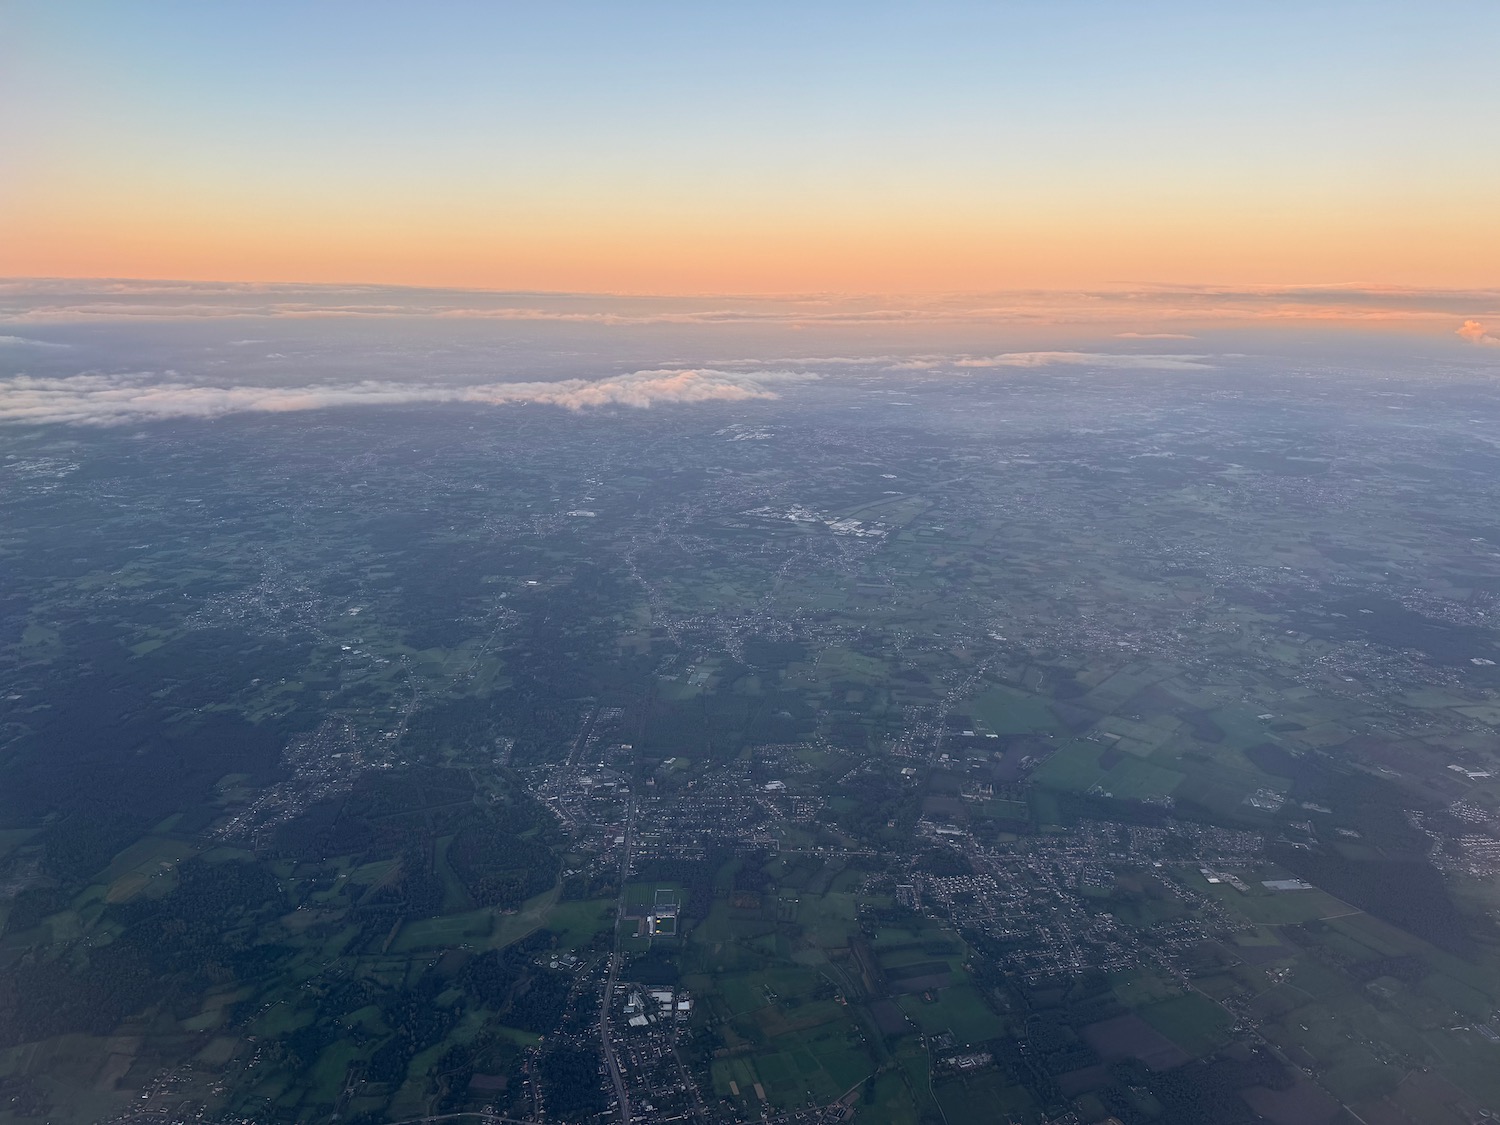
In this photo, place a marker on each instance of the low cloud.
(1089, 359)
(1474, 332)
(27, 342)
(110, 400)
(889, 362)
(1125, 360)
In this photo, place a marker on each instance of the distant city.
(1076, 745)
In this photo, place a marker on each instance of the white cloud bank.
(110, 400)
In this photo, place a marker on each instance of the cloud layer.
(110, 400)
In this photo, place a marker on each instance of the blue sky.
(728, 123)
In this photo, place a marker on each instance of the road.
(606, 1041)
(700, 1111)
(484, 1119)
(582, 739)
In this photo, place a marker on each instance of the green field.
(1264, 905)
(1133, 778)
(1073, 767)
(1006, 711)
(1194, 1022)
(473, 928)
(816, 1065)
(576, 924)
(958, 1009)
(982, 1099)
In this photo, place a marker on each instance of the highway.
(606, 1042)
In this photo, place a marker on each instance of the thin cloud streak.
(112, 400)
(44, 301)
(27, 342)
(929, 362)
(1122, 361)
(1091, 359)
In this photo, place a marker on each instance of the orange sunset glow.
(973, 149)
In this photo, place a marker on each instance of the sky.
(766, 148)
